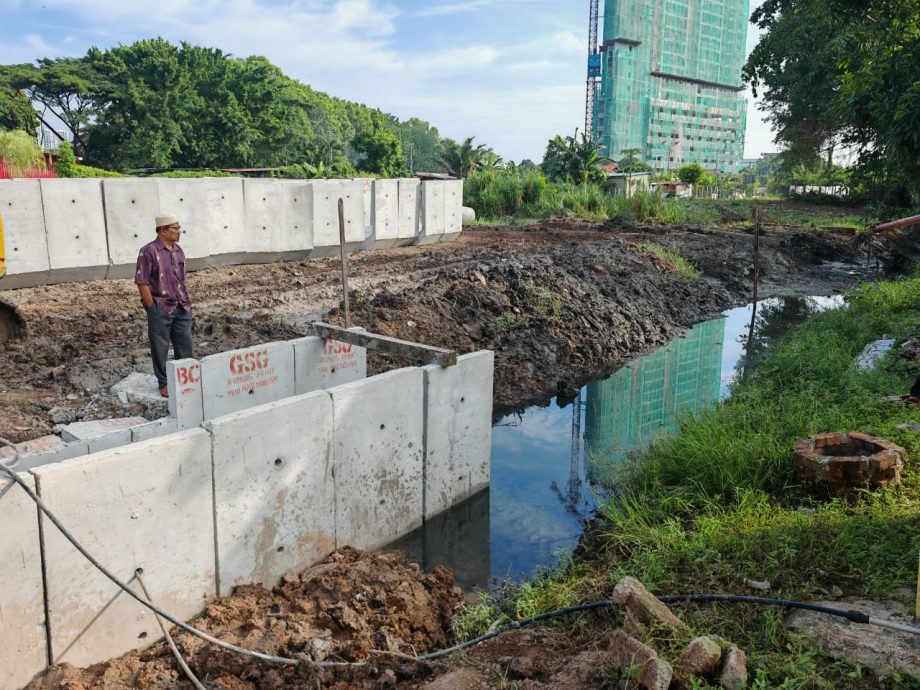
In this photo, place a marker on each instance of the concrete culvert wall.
(247, 496)
(61, 230)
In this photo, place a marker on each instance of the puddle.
(550, 464)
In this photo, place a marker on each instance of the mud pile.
(351, 607)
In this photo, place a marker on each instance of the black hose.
(855, 616)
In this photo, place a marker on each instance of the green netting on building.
(671, 82)
(643, 400)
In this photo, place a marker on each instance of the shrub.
(66, 165)
(20, 154)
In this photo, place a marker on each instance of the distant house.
(672, 188)
(629, 183)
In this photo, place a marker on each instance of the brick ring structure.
(841, 462)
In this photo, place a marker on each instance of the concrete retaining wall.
(378, 427)
(274, 495)
(239, 379)
(26, 245)
(59, 230)
(247, 497)
(23, 652)
(146, 505)
(75, 230)
(130, 207)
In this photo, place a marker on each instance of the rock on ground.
(874, 647)
(643, 610)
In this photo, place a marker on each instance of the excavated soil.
(560, 302)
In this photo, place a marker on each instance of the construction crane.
(594, 68)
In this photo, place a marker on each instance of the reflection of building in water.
(644, 399)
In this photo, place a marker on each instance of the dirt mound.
(348, 607)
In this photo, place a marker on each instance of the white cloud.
(470, 5)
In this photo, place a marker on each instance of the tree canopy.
(153, 104)
(844, 73)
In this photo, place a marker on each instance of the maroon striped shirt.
(164, 272)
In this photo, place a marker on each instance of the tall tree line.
(844, 73)
(153, 104)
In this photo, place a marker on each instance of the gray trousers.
(164, 328)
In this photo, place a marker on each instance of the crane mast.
(594, 68)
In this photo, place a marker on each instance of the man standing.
(160, 278)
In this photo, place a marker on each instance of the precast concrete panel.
(326, 195)
(131, 208)
(277, 223)
(409, 200)
(183, 383)
(432, 224)
(210, 211)
(67, 451)
(323, 363)
(453, 209)
(113, 439)
(75, 227)
(239, 379)
(154, 429)
(367, 192)
(378, 456)
(385, 214)
(23, 652)
(143, 507)
(273, 488)
(25, 243)
(458, 430)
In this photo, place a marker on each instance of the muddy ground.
(560, 302)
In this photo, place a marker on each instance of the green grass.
(673, 259)
(718, 502)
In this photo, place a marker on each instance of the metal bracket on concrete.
(384, 343)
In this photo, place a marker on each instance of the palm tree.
(462, 159)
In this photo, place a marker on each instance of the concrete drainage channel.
(272, 457)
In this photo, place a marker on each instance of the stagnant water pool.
(550, 464)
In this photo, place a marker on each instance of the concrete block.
(147, 505)
(274, 490)
(377, 452)
(75, 227)
(239, 379)
(279, 220)
(385, 214)
(25, 244)
(367, 192)
(67, 451)
(138, 388)
(23, 652)
(42, 444)
(432, 222)
(453, 209)
(211, 212)
(409, 207)
(326, 195)
(458, 430)
(183, 381)
(154, 429)
(131, 207)
(321, 364)
(89, 431)
(113, 439)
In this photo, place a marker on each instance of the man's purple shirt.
(164, 272)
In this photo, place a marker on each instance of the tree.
(66, 164)
(572, 159)
(16, 112)
(690, 173)
(462, 159)
(380, 152)
(631, 162)
(421, 144)
(844, 72)
(19, 152)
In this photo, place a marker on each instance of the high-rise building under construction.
(670, 75)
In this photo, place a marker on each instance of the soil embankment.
(560, 302)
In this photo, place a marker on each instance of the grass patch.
(673, 259)
(717, 503)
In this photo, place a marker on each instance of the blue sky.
(510, 72)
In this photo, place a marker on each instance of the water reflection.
(550, 464)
